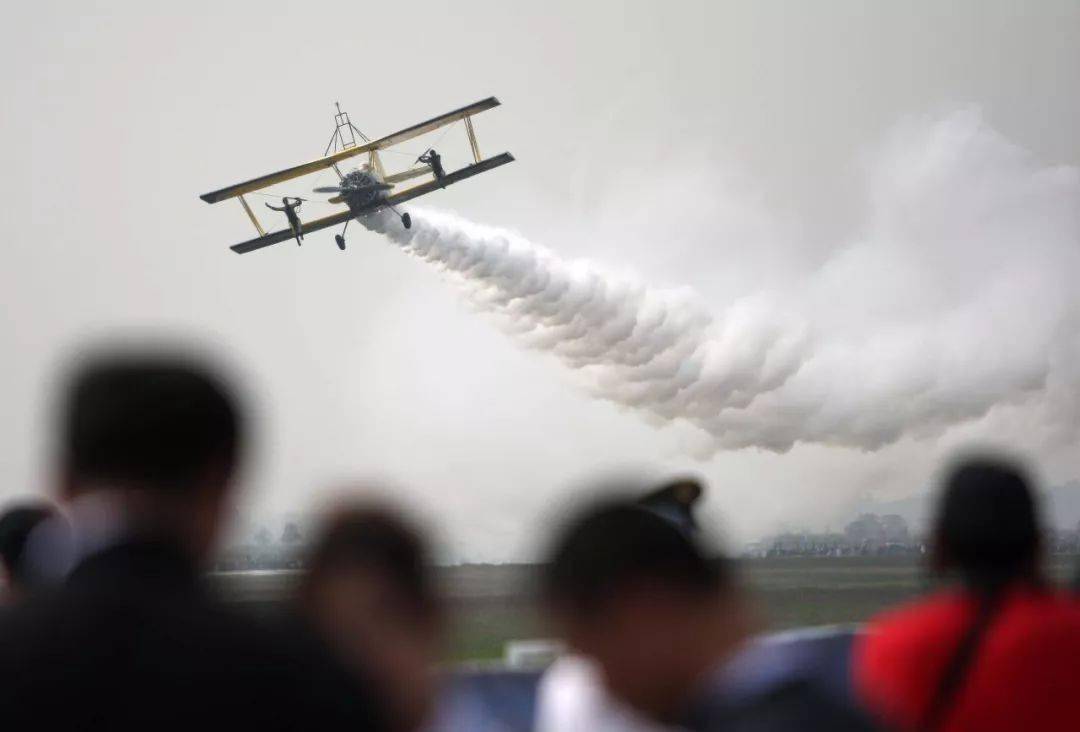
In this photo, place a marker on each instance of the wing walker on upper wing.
(367, 188)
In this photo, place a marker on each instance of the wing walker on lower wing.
(365, 189)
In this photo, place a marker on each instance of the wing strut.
(251, 215)
(327, 161)
(341, 217)
(472, 139)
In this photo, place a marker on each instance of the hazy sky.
(748, 121)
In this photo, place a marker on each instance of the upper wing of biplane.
(328, 161)
(341, 217)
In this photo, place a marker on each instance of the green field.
(491, 604)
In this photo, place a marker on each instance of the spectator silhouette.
(16, 525)
(147, 450)
(571, 693)
(999, 651)
(636, 593)
(370, 594)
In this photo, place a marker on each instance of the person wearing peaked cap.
(661, 619)
(676, 501)
(571, 694)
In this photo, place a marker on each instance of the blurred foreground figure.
(635, 593)
(1002, 651)
(148, 445)
(370, 595)
(571, 696)
(16, 526)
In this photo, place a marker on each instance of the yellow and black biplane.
(367, 188)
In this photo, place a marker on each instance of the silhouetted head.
(370, 593)
(639, 595)
(16, 526)
(378, 540)
(616, 546)
(160, 433)
(987, 527)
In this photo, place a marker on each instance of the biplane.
(367, 188)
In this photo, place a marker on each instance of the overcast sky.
(366, 364)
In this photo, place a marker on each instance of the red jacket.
(1024, 675)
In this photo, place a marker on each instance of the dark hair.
(988, 531)
(377, 538)
(987, 528)
(615, 544)
(149, 419)
(16, 525)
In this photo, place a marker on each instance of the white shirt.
(571, 698)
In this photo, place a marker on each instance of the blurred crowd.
(106, 624)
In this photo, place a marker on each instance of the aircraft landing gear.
(406, 219)
(340, 238)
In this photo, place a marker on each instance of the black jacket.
(793, 706)
(132, 643)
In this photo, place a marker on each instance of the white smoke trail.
(959, 297)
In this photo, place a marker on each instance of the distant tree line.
(868, 535)
(264, 551)
(874, 535)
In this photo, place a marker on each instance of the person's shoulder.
(13, 619)
(909, 630)
(1051, 602)
(29, 622)
(570, 695)
(326, 690)
(899, 647)
(796, 705)
(281, 661)
(901, 653)
(941, 613)
(40, 642)
(569, 669)
(1042, 617)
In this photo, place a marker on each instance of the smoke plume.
(957, 297)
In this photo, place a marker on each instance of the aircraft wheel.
(340, 241)
(406, 220)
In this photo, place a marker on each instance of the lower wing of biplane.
(389, 193)
(341, 217)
